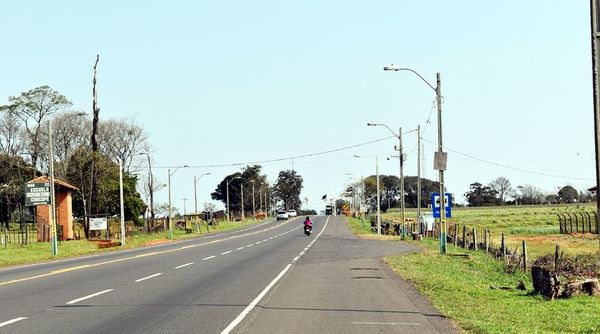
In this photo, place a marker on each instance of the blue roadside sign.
(435, 205)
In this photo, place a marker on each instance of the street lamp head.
(371, 124)
(391, 67)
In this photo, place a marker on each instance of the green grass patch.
(14, 254)
(460, 289)
(360, 226)
(535, 230)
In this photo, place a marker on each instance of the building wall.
(64, 215)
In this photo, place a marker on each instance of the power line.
(511, 167)
(283, 159)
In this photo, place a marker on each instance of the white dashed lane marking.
(184, 265)
(148, 277)
(6, 323)
(88, 297)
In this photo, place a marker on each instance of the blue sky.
(232, 81)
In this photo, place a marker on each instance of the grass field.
(537, 225)
(461, 287)
(40, 251)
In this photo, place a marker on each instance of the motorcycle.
(307, 229)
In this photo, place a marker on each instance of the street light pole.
(227, 191)
(170, 233)
(418, 172)
(195, 193)
(242, 191)
(378, 197)
(151, 188)
(595, 39)
(54, 244)
(253, 202)
(441, 166)
(122, 201)
(440, 157)
(401, 172)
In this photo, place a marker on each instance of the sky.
(226, 82)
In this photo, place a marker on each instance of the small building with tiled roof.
(64, 210)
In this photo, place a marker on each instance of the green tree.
(79, 172)
(220, 193)
(14, 173)
(287, 189)
(427, 188)
(32, 108)
(481, 195)
(568, 194)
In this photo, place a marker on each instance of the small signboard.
(98, 224)
(363, 208)
(37, 193)
(435, 205)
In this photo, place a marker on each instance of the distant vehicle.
(292, 213)
(328, 210)
(282, 215)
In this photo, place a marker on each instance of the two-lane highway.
(201, 285)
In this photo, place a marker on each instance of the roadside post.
(436, 203)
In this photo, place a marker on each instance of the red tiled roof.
(61, 183)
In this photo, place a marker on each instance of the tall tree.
(93, 198)
(287, 189)
(568, 194)
(530, 195)
(480, 195)
(220, 194)
(427, 188)
(32, 108)
(502, 187)
(122, 138)
(11, 139)
(14, 173)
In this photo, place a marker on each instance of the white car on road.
(292, 213)
(282, 215)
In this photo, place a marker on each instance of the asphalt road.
(269, 278)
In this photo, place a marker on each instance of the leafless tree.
(503, 187)
(11, 134)
(125, 139)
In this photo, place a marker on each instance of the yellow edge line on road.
(86, 266)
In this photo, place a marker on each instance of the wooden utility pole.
(595, 39)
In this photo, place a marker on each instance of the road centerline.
(225, 253)
(208, 258)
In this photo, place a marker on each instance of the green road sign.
(37, 193)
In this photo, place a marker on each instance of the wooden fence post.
(474, 239)
(455, 235)
(486, 241)
(556, 255)
(464, 239)
(524, 257)
(503, 247)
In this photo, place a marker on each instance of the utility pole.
(227, 187)
(401, 158)
(184, 208)
(418, 172)
(242, 190)
(253, 202)
(195, 197)
(441, 166)
(595, 39)
(122, 201)
(378, 197)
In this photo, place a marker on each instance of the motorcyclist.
(307, 223)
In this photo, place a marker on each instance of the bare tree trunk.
(94, 182)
